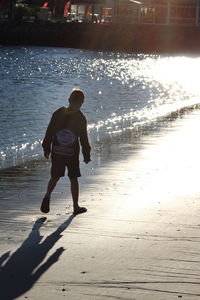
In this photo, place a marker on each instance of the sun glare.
(178, 71)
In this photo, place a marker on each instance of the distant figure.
(67, 126)
(94, 19)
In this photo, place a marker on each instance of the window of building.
(183, 14)
(161, 15)
(147, 15)
(128, 14)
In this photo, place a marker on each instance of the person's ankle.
(76, 207)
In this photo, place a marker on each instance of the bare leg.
(46, 200)
(75, 195)
(51, 186)
(75, 192)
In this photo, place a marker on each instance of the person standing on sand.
(67, 127)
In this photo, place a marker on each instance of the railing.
(161, 15)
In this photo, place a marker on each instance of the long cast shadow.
(19, 273)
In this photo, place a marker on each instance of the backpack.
(64, 142)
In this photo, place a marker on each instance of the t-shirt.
(65, 121)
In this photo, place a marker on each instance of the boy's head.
(76, 99)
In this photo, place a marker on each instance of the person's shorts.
(59, 164)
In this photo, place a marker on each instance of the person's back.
(68, 127)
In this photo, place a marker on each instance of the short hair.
(77, 96)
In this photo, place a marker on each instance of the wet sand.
(140, 238)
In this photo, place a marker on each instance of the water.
(123, 92)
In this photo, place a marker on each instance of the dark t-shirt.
(74, 121)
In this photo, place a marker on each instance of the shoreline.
(130, 135)
(129, 38)
(139, 238)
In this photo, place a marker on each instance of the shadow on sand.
(19, 273)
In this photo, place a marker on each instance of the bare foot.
(45, 205)
(79, 210)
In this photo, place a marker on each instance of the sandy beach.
(140, 238)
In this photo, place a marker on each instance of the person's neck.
(71, 108)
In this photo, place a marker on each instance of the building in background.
(158, 12)
(162, 12)
(93, 11)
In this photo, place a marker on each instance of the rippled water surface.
(123, 91)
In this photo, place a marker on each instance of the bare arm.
(46, 144)
(85, 144)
